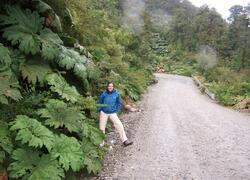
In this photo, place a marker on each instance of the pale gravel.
(181, 134)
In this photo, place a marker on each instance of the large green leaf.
(9, 88)
(50, 43)
(32, 132)
(30, 165)
(24, 161)
(5, 59)
(92, 138)
(2, 156)
(5, 141)
(35, 70)
(94, 134)
(69, 152)
(25, 28)
(28, 42)
(93, 156)
(58, 114)
(5, 137)
(47, 168)
(18, 58)
(60, 86)
(71, 59)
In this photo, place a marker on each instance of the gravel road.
(181, 134)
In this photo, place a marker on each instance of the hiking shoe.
(127, 143)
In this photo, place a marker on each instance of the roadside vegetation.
(56, 57)
(199, 42)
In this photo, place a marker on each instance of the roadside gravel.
(181, 134)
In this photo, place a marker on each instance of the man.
(112, 102)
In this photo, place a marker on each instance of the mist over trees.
(190, 27)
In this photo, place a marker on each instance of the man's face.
(110, 87)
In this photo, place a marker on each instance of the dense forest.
(56, 57)
(199, 42)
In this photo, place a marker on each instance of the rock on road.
(182, 134)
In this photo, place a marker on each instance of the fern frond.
(50, 44)
(5, 137)
(87, 103)
(29, 165)
(25, 28)
(5, 59)
(17, 59)
(92, 70)
(71, 59)
(35, 70)
(47, 168)
(25, 159)
(93, 156)
(94, 134)
(68, 151)
(32, 132)
(66, 58)
(9, 88)
(58, 114)
(2, 156)
(60, 86)
(22, 29)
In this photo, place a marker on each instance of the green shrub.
(43, 126)
(230, 93)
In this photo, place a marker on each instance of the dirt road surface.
(181, 134)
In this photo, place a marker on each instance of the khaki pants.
(116, 121)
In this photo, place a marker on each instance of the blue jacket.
(112, 102)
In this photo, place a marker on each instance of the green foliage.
(92, 156)
(180, 69)
(95, 135)
(50, 131)
(59, 114)
(181, 64)
(47, 168)
(5, 59)
(30, 165)
(6, 145)
(88, 103)
(220, 48)
(71, 59)
(229, 87)
(9, 85)
(68, 151)
(9, 88)
(32, 132)
(224, 93)
(131, 91)
(50, 42)
(2, 156)
(5, 138)
(35, 70)
(25, 28)
(59, 85)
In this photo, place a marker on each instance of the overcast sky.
(221, 6)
